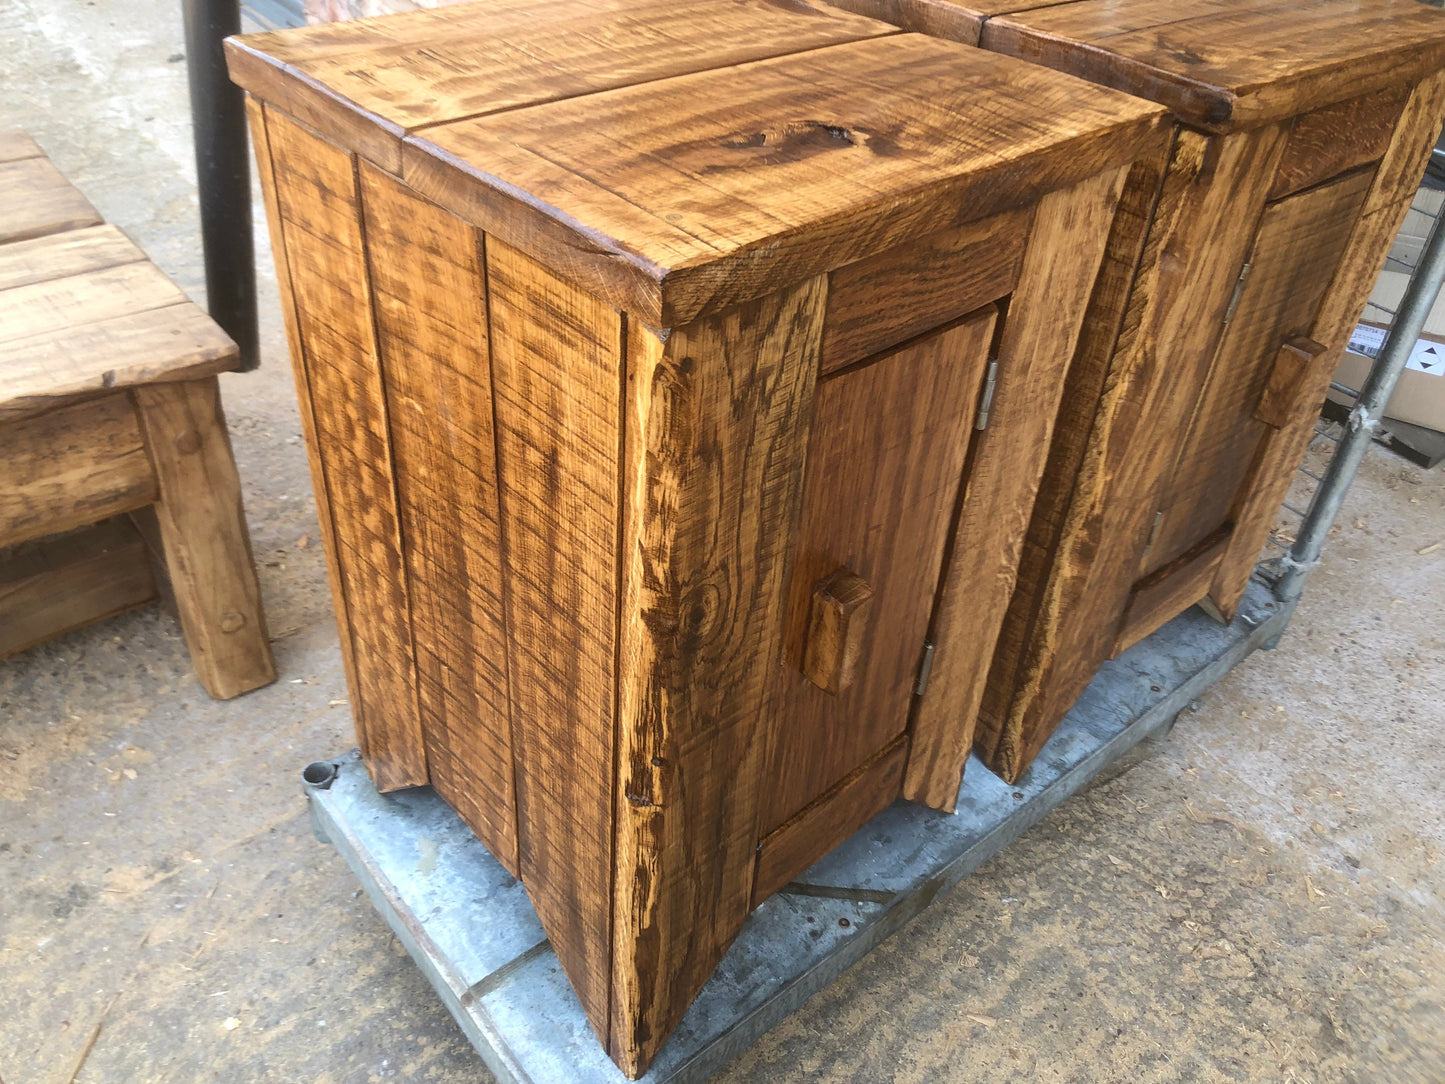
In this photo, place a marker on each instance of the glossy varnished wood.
(880, 301)
(1068, 241)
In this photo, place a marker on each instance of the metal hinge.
(985, 402)
(1238, 292)
(1154, 531)
(924, 668)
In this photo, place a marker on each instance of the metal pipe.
(1364, 420)
(223, 174)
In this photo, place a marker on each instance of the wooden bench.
(116, 476)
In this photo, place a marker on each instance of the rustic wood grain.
(1327, 142)
(256, 115)
(429, 290)
(62, 255)
(1385, 205)
(937, 18)
(381, 79)
(1223, 65)
(557, 373)
(880, 301)
(1110, 320)
(71, 467)
(179, 342)
(1175, 314)
(40, 201)
(316, 201)
(1279, 402)
(693, 194)
(52, 586)
(716, 419)
(1066, 246)
(837, 620)
(885, 465)
(787, 851)
(42, 307)
(203, 531)
(1296, 250)
(1169, 590)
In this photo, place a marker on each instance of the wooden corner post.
(716, 437)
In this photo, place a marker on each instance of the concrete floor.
(1263, 899)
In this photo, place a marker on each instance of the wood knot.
(189, 442)
(231, 621)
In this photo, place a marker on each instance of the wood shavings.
(986, 1021)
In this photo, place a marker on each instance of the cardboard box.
(1419, 397)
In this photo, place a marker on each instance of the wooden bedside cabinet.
(676, 409)
(1238, 266)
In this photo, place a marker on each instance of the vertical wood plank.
(318, 208)
(1374, 231)
(428, 286)
(717, 422)
(1202, 225)
(203, 532)
(1070, 234)
(557, 378)
(257, 115)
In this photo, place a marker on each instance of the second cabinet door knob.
(836, 623)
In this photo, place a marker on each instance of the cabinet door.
(886, 456)
(1296, 252)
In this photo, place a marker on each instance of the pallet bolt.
(319, 775)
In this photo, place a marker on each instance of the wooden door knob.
(836, 623)
(1281, 400)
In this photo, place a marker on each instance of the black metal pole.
(223, 172)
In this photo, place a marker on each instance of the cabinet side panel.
(429, 288)
(717, 424)
(1111, 319)
(1385, 206)
(257, 115)
(557, 378)
(1203, 224)
(1070, 232)
(320, 218)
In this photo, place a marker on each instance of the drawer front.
(884, 466)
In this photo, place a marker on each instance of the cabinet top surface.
(1221, 64)
(411, 70)
(675, 194)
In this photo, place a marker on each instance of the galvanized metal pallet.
(471, 929)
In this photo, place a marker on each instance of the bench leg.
(203, 533)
